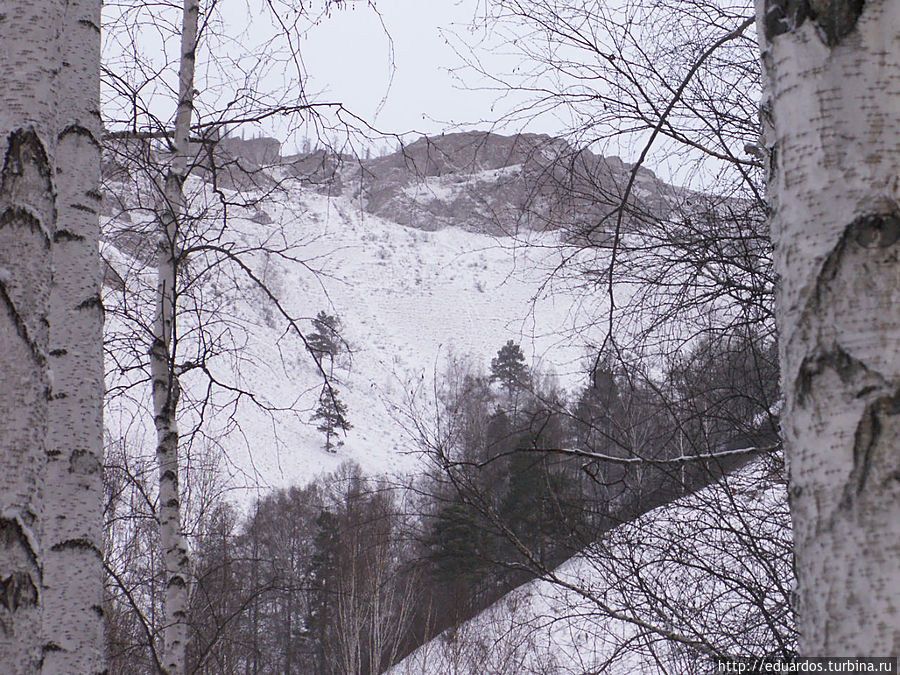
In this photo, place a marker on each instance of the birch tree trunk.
(833, 71)
(162, 366)
(73, 494)
(28, 63)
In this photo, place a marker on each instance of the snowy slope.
(407, 299)
(694, 569)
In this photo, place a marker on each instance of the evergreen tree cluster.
(528, 470)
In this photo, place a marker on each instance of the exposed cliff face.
(256, 151)
(501, 184)
(477, 181)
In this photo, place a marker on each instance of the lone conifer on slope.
(332, 416)
(326, 338)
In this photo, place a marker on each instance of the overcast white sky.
(390, 62)
(398, 66)
(348, 58)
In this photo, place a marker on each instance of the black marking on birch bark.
(66, 235)
(178, 180)
(158, 349)
(79, 544)
(89, 24)
(18, 590)
(24, 150)
(832, 265)
(834, 19)
(59, 352)
(865, 440)
(95, 195)
(21, 326)
(872, 231)
(93, 302)
(20, 216)
(783, 16)
(176, 580)
(878, 230)
(11, 534)
(84, 209)
(51, 647)
(172, 503)
(835, 359)
(160, 384)
(98, 610)
(81, 131)
(168, 474)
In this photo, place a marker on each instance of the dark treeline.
(348, 574)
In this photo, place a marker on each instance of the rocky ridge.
(478, 181)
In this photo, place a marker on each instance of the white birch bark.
(833, 88)
(162, 367)
(73, 495)
(28, 62)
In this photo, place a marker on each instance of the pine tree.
(509, 368)
(326, 340)
(326, 561)
(332, 416)
(597, 408)
(457, 541)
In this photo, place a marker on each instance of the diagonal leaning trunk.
(73, 494)
(162, 362)
(833, 90)
(28, 65)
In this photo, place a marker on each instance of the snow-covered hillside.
(407, 299)
(707, 574)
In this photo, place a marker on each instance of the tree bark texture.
(73, 494)
(162, 361)
(28, 63)
(833, 110)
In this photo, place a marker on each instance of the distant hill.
(408, 299)
(421, 257)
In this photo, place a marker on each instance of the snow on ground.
(449, 187)
(698, 568)
(407, 300)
